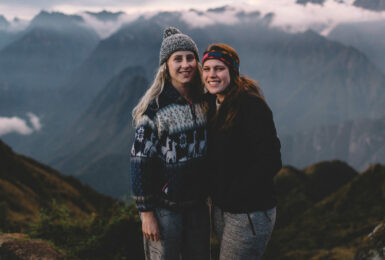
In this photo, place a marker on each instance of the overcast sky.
(288, 14)
(26, 9)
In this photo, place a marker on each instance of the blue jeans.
(184, 235)
(243, 236)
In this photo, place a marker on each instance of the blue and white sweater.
(168, 154)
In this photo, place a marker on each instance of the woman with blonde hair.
(244, 155)
(168, 155)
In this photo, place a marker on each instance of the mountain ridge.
(335, 227)
(375, 5)
(91, 154)
(359, 142)
(27, 186)
(343, 219)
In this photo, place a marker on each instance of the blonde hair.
(157, 87)
(152, 93)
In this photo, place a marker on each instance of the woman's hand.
(150, 226)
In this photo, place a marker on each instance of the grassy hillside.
(81, 222)
(26, 186)
(327, 211)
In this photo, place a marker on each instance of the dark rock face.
(13, 248)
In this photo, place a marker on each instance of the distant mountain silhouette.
(34, 66)
(306, 75)
(309, 81)
(375, 5)
(3, 22)
(96, 147)
(56, 20)
(33, 69)
(360, 143)
(106, 16)
(5, 35)
(368, 37)
(136, 44)
(304, 2)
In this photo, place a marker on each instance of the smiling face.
(216, 77)
(182, 66)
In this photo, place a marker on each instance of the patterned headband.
(222, 55)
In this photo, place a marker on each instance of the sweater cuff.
(144, 203)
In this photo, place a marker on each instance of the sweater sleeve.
(263, 140)
(145, 164)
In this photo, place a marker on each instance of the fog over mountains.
(326, 91)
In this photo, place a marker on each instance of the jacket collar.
(171, 95)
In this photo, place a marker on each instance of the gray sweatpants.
(243, 236)
(184, 235)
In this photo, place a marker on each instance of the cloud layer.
(20, 126)
(288, 15)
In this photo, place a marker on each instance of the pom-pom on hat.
(174, 40)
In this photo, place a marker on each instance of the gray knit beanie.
(174, 40)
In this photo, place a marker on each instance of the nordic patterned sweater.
(168, 154)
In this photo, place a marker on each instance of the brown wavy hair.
(239, 85)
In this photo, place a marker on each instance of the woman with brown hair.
(244, 155)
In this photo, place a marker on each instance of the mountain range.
(95, 147)
(376, 5)
(310, 82)
(328, 91)
(106, 16)
(3, 22)
(367, 37)
(5, 36)
(360, 142)
(34, 66)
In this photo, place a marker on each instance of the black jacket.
(244, 159)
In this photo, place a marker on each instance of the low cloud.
(322, 18)
(18, 125)
(200, 19)
(35, 121)
(288, 15)
(105, 28)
